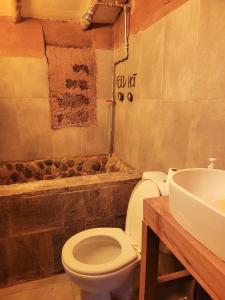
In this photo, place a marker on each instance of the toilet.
(102, 261)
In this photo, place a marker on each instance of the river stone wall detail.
(47, 169)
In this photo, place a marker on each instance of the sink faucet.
(212, 163)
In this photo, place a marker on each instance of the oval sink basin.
(197, 202)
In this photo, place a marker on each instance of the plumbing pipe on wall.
(16, 10)
(126, 7)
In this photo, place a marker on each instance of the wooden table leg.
(149, 264)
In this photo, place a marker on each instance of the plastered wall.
(177, 118)
(48, 9)
(25, 121)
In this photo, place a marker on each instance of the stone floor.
(57, 287)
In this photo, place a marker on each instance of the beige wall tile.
(119, 130)
(132, 65)
(10, 147)
(66, 142)
(127, 131)
(95, 140)
(131, 140)
(172, 130)
(180, 49)
(149, 122)
(207, 134)
(33, 116)
(23, 77)
(171, 143)
(104, 64)
(210, 63)
(150, 73)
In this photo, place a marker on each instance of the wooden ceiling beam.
(16, 10)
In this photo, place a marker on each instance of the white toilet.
(104, 260)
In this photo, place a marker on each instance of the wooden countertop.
(202, 264)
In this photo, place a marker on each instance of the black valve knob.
(130, 97)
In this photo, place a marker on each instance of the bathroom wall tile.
(169, 150)
(73, 229)
(24, 77)
(132, 66)
(85, 205)
(57, 239)
(10, 147)
(104, 65)
(30, 257)
(210, 63)
(180, 51)
(120, 222)
(4, 219)
(119, 131)
(74, 207)
(119, 196)
(100, 222)
(207, 134)
(33, 117)
(150, 74)
(95, 140)
(148, 123)
(66, 142)
(121, 68)
(4, 263)
(36, 213)
(127, 131)
(98, 205)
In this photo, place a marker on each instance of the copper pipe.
(16, 10)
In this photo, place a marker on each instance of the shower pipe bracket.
(125, 7)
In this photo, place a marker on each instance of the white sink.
(197, 202)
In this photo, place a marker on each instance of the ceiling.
(48, 9)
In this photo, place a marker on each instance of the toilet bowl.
(105, 260)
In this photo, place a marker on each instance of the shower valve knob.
(130, 97)
(120, 96)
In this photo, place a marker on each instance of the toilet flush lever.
(212, 161)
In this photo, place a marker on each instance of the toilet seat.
(126, 253)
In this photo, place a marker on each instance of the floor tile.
(56, 287)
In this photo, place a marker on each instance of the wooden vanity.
(199, 262)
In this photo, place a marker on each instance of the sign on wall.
(72, 85)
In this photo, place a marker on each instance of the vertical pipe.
(16, 10)
(115, 64)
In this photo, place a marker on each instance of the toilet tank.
(153, 184)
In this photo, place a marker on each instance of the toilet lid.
(83, 255)
(144, 189)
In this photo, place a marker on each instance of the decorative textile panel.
(72, 84)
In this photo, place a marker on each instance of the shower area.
(58, 172)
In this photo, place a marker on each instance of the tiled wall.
(25, 119)
(34, 226)
(177, 118)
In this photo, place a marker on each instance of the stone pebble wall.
(34, 226)
(19, 172)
